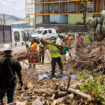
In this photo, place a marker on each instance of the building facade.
(49, 8)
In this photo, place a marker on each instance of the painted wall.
(60, 19)
(76, 18)
(20, 26)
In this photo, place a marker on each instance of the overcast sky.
(13, 7)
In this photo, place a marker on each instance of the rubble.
(40, 89)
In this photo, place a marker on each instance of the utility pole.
(35, 14)
(4, 20)
(28, 18)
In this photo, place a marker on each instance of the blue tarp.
(46, 76)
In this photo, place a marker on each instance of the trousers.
(53, 63)
(10, 94)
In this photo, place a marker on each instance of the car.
(44, 33)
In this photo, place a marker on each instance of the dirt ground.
(35, 87)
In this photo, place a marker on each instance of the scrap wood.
(69, 79)
(60, 100)
(44, 91)
(61, 94)
(99, 68)
(24, 62)
(78, 92)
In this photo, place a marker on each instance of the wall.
(60, 19)
(39, 19)
(64, 27)
(20, 26)
(46, 19)
(76, 18)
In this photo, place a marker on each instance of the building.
(59, 11)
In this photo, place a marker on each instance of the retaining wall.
(64, 27)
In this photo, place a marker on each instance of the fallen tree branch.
(78, 92)
(44, 91)
(60, 100)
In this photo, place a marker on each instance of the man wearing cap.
(9, 67)
(55, 55)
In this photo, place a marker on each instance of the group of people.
(36, 53)
(10, 66)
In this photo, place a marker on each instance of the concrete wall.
(76, 18)
(64, 27)
(39, 19)
(60, 19)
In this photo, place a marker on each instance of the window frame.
(18, 37)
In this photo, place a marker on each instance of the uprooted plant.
(94, 86)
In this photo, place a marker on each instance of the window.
(50, 31)
(55, 8)
(1, 36)
(72, 7)
(24, 36)
(45, 32)
(16, 36)
(7, 36)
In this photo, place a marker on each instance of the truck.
(44, 33)
(16, 38)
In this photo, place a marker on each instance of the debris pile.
(92, 60)
(53, 92)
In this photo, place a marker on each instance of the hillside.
(10, 18)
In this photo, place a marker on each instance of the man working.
(9, 67)
(55, 55)
(42, 51)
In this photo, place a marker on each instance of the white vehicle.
(16, 38)
(44, 33)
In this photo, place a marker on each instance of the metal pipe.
(35, 14)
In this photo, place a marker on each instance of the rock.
(21, 103)
(37, 102)
(29, 85)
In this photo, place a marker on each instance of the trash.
(73, 77)
(44, 76)
(37, 102)
(64, 77)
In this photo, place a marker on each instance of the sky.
(13, 7)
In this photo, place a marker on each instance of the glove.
(21, 83)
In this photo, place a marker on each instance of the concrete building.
(62, 11)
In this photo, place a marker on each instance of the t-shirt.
(33, 47)
(59, 41)
(9, 66)
(63, 51)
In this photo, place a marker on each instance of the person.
(60, 39)
(56, 57)
(42, 51)
(69, 38)
(9, 67)
(80, 40)
(32, 55)
(64, 49)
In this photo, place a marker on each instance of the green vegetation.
(88, 40)
(94, 86)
